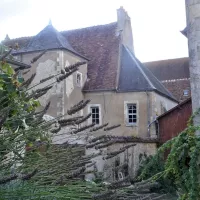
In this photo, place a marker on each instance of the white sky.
(156, 24)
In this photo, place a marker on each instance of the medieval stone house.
(122, 90)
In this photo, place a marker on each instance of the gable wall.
(63, 94)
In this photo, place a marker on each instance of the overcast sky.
(156, 24)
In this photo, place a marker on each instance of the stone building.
(122, 90)
(174, 75)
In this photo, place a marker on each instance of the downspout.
(148, 115)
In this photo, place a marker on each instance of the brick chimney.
(124, 28)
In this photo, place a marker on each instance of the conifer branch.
(77, 107)
(83, 119)
(6, 54)
(112, 127)
(8, 179)
(28, 81)
(37, 57)
(83, 128)
(26, 72)
(74, 66)
(98, 127)
(30, 175)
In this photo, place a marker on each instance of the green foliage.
(182, 163)
(77, 190)
(166, 183)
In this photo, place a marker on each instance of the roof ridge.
(19, 38)
(64, 31)
(170, 59)
(89, 27)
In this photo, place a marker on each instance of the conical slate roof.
(47, 39)
(134, 76)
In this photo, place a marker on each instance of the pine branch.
(64, 76)
(29, 176)
(43, 89)
(5, 55)
(44, 110)
(112, 127)
(91, 145)
(103, 195)
(101, 146)
(97, 138)
(37, 57)
(8, 179)
(120, 184)
(26, 72)
(46, 79)
(115, 153)
(98, 127)
(75, 173)
(71, 67)
(77, 107)
(83, 119)
(28, 81)
(83, 128)
(73, 119)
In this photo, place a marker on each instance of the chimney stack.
(124, 28)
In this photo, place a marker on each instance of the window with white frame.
(131, 116)
(79, 79)
(95, 114)
(95, 110)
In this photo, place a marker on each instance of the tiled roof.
(134, 76)
(169, 69)
(176, 87)
(100, 44)
(174, 74)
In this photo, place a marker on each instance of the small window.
(78, 79)
(95, 114)
(185, 93)
(132, 113)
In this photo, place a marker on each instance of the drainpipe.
(148, 114)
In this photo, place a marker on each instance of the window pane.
(97, 121)
(132, 113)
(130, 116)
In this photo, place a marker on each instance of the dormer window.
(79, 79)
(185, 93)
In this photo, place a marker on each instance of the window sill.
(131, 125)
